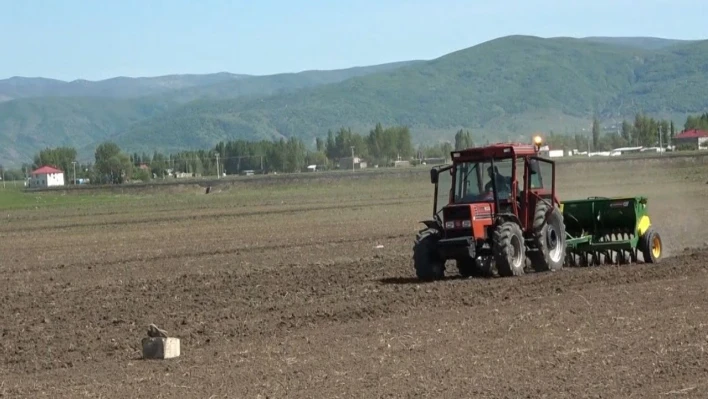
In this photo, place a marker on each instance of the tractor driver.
(503, 184)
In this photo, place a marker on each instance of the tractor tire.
(650, 245)
(426, 261)
(508, 249)
(548, 239)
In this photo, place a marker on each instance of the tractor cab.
(482, 182)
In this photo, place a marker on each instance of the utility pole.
(352, 147)
(218, 175)
(661, 147)
(74, 163)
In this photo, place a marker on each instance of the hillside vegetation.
(505, 87)
(29, 125)
(259, 86)
(119, 87)
(39, 112)
(646, 43)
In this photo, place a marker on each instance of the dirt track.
(304, 304)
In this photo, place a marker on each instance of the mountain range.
(504, 88)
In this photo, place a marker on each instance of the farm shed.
(46, 176)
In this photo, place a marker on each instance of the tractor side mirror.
(433, 176)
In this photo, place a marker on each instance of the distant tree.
(295, 155)
(672, 130)
(316, 158)
(441, 150)
(112, 163)
(581, 142)
(595, 134)
(626, 132)
(463, 140)
(331, 146)
(665, 128)
(12, 174)
(59, 157)
(697, 122)
(339, 144)
(446, 149)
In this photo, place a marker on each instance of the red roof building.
(46, 170)
(691, 134)
(694, 139)
(46, 176)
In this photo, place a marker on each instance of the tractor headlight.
(452, 224)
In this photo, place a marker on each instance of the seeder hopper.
(492, 223)
(609, 230)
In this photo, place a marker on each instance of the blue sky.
(98, 39)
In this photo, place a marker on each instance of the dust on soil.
(303, 302)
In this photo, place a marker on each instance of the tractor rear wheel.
(426, 261)
(508, 247)
(650, 246)
(548, 239)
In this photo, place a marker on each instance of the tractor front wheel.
(548, 239)
(508, 247)
(426, 261)
(651, 246)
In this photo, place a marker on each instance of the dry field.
(306, 290)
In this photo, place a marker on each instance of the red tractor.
(495, 208)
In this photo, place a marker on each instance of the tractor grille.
(461, 212)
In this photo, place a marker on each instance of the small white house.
(46, 176)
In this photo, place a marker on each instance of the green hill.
(185, 87)
(45, 112)
(275, 84)
(646, 43)
(505, 87)
(119, 87)
(29, 125)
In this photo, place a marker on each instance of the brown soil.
(302, 302)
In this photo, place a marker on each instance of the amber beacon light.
(538, 140)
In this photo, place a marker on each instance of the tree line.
(112, 165)
(381, 146)
(643, 131)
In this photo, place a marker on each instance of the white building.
(46, 176)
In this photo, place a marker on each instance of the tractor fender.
(431, 224)
(507, 217)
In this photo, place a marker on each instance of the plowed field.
(306, 290)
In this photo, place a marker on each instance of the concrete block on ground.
(160, 348)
